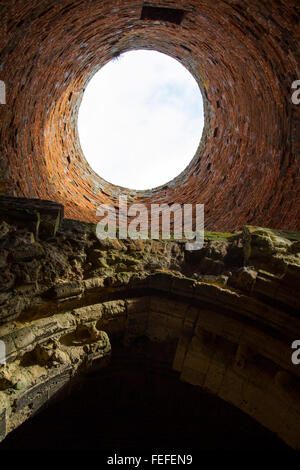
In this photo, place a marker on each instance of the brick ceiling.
(244, 55)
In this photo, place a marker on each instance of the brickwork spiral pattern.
(244, 55)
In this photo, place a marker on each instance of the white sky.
(141, 120)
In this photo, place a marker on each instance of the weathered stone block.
(44, 217)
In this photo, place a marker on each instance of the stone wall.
(229, 312)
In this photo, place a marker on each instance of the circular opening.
(141, 119)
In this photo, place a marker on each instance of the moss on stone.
(219, 236)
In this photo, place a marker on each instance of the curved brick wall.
(244, 56)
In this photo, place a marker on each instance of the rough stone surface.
(245, 57)
(66, 299)
(43, 217)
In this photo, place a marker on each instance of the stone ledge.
(43, 217)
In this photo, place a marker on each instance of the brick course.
(244, 55)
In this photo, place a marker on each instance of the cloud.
(141, 120)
